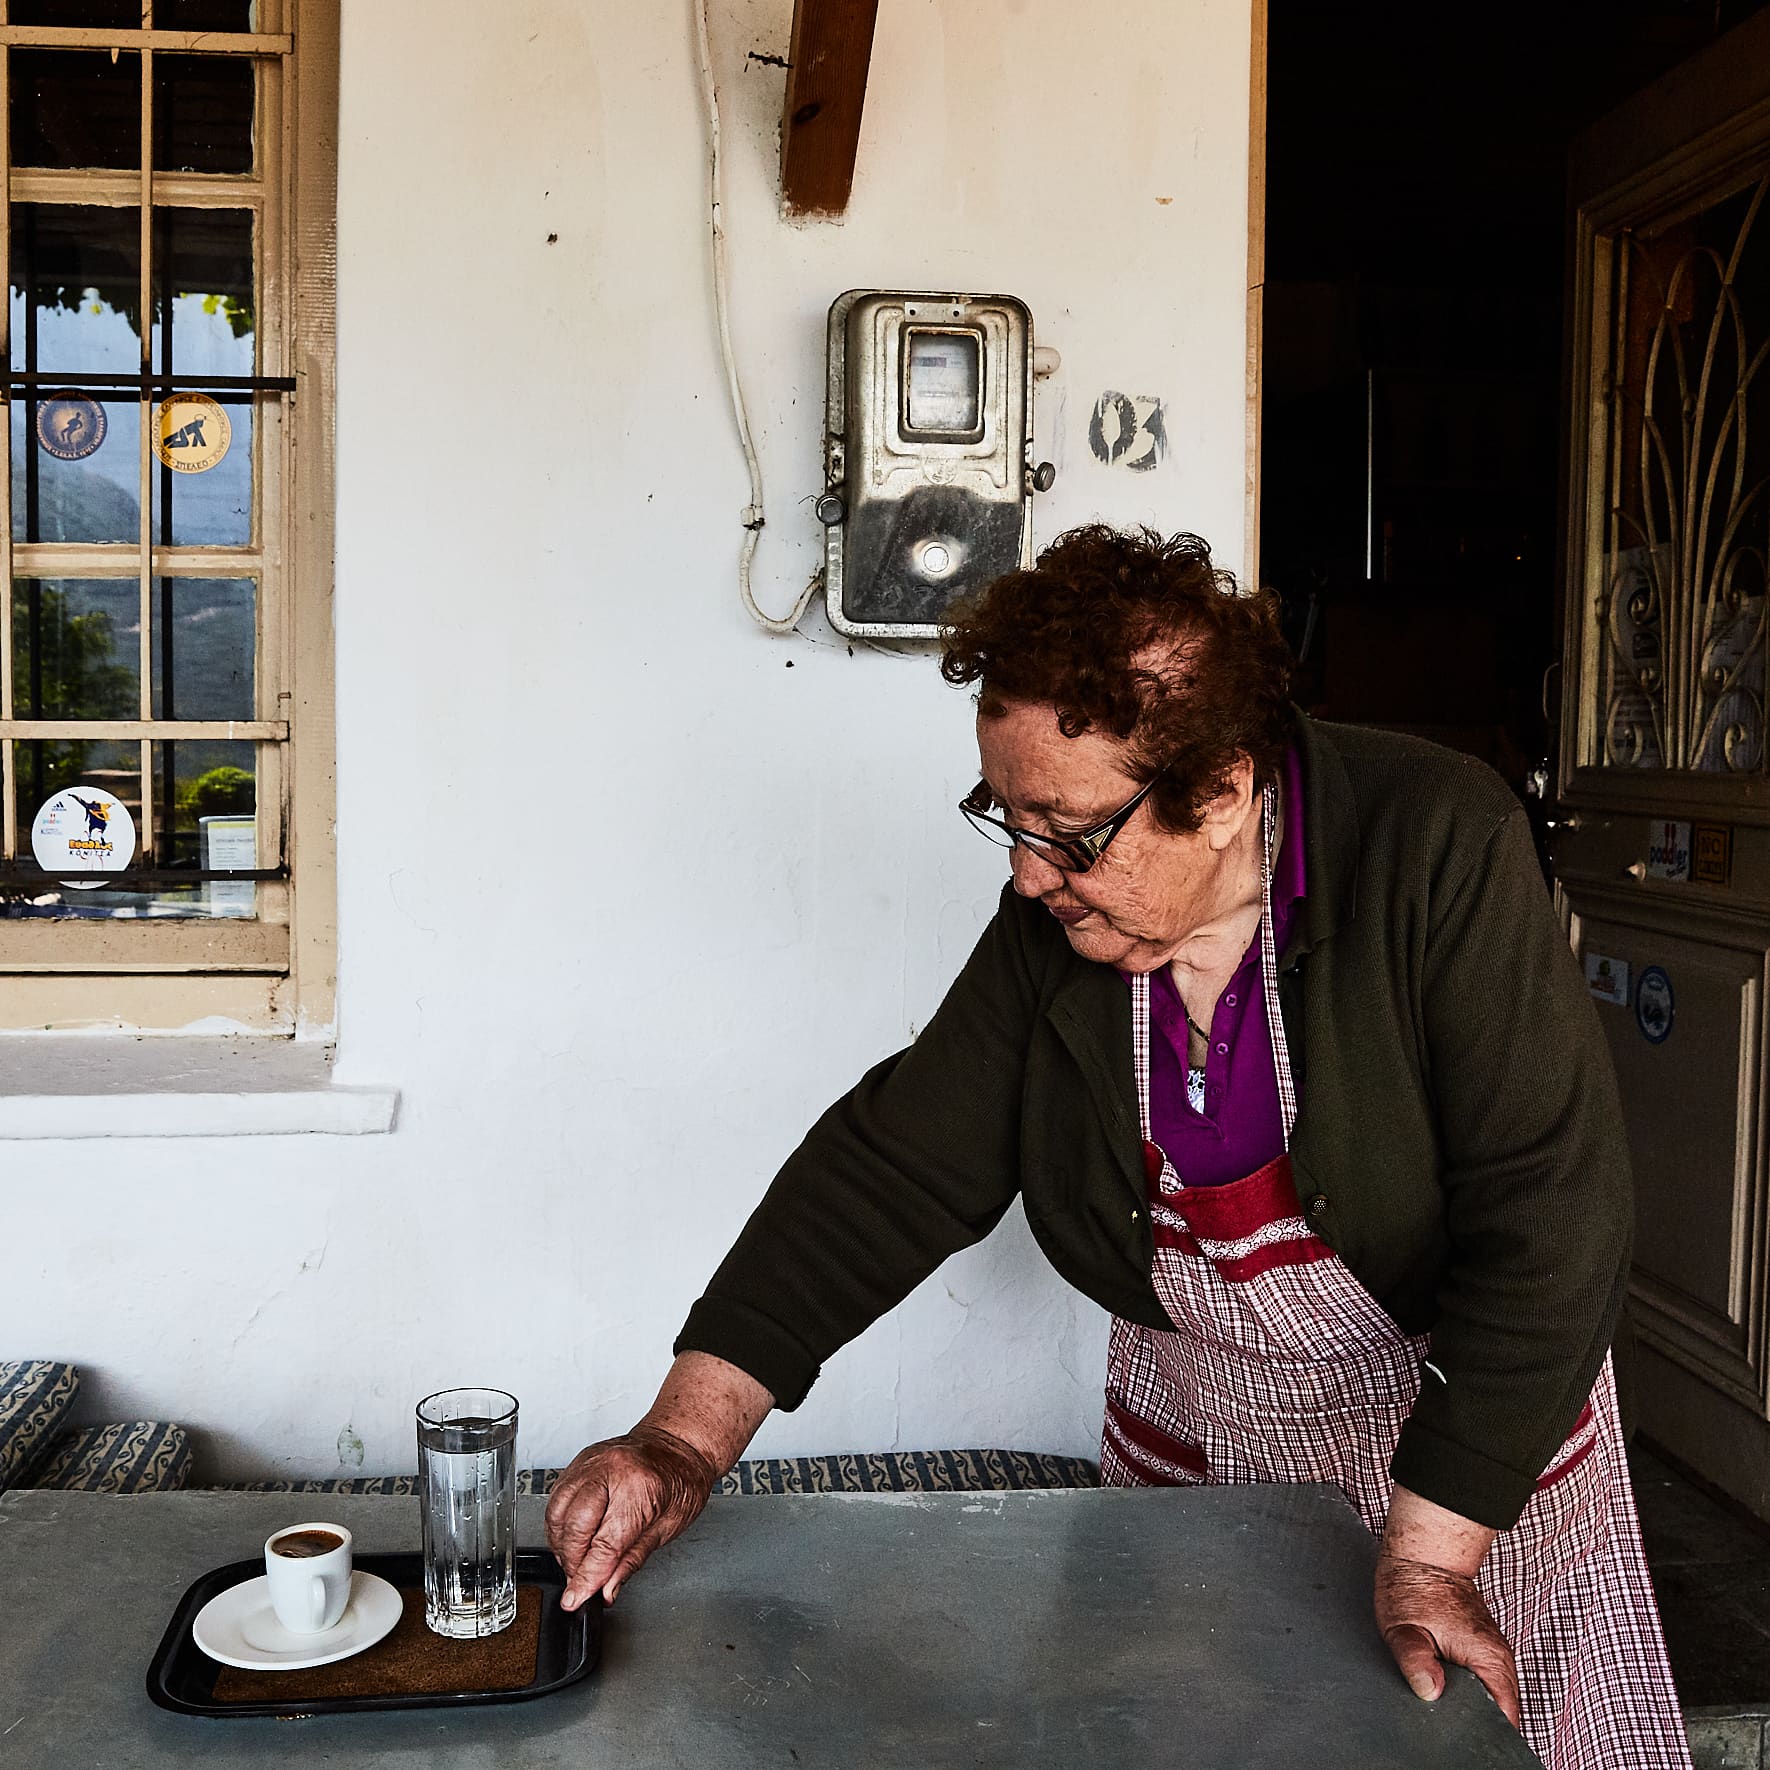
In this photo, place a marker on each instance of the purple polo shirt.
(1239, 1130)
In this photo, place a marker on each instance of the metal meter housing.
(928, 434)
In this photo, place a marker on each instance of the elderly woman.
(1276, 1036)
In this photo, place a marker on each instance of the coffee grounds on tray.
(410, 1661)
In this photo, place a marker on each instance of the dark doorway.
(1413, 400)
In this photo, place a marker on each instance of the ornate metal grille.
(1682, 612)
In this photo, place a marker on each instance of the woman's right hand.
(626, 1496)
(618, 1501)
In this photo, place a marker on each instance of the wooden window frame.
(274, 973)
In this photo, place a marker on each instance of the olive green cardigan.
(1459, 1140)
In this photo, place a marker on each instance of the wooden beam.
(826, 88)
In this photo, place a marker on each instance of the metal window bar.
(272, 731)
(156, 831)
(18, 873)
(149, 381)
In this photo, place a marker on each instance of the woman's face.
(1153, 888)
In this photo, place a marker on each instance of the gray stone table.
(1197, 1627)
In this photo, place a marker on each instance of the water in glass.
(467, 1487)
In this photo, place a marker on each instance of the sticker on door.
(1668, 850)
(1655, 1006)
(1608, 979)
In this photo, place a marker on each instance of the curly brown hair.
(1139, 636)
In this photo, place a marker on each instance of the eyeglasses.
(1069, 854)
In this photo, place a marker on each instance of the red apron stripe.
(1141, 1444)
(1287, 1250)
(1282, 1253)
(1243, 1207)
(1579, 1445)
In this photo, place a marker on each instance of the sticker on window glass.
(1655, 1006)
(194, 433)
(70, 426)
(83, 830)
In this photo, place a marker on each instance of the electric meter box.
(928, 433)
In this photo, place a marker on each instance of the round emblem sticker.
(1654, 1005)
(83, 830)
(70, 426)
(194, 433)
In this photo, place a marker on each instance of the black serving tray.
(182, 1676)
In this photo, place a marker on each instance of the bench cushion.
(895, 1471)
(138, 1456)
(35, 1395)
(405, 1486)
(912, 1471)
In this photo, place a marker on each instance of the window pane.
(205, 638)
(75, 108)
(207, 820)
(205, 288)
(109, 15)
(125, 15)
(76, 289)
(204, 257)
(203, 113)
(206, 811)
(206, 15)
(1682, 676)
(76, 648)
(76, 468)
(41, 771)
(213, 507)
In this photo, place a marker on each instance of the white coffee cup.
(308, 1567)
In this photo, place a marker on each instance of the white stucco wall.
(629, 889)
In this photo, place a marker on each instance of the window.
(165, 595)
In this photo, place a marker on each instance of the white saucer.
(239, 1628)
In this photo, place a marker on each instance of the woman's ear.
(1226, 816)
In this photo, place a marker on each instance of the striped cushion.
(139, 1456)
(895, 1471)
(35, 1395)
(405, 1486)
(911, 1471)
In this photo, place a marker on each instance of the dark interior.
(1413, 415)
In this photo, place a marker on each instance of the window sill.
(105, 1085)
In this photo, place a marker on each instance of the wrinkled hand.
(1428, 1614)
(618, 1501)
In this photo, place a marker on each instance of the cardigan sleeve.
(1536, 1184)
(919, 1159)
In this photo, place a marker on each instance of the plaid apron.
(1283, 1367)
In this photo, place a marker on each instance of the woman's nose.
(1033, 875)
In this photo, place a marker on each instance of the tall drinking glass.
(467, 1487)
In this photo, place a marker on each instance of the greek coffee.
(301, 1545)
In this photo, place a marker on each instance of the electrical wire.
(754, 517)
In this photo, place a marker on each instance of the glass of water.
(467, 1487)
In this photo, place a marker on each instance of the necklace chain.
(1268, 802)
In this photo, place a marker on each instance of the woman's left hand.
(1430, 1614)
(1427, 1606)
